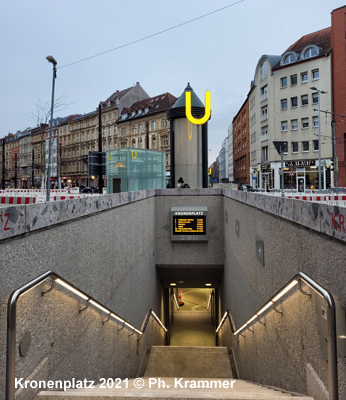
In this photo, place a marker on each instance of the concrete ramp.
(192, 362)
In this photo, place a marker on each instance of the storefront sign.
(189, 223)
(300, 163)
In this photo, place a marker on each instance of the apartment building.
(144, 125)
(79, 134)
(338, 39)
(25, 152)
(283, 105)
(38, 144)
(241, 145)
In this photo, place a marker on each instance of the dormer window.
(310, 51)
(289, 58)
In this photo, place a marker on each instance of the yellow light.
(284, 291)
(93, 177)
(208, 284)
(116, 317)
(264, 308)
(173, 284)
(240, 329)
(223, 318)
(189, 116)
(72, 289)
(251, 319)
(99, 306)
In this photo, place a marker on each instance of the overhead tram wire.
(152, 35)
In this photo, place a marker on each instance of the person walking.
(182, 184)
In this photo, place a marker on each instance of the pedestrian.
(182, 184)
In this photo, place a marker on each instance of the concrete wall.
(108, 247)
(298, 237)
(192, 253)
(104, 246)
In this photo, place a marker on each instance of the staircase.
(174, 372)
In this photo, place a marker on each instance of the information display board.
(189, 223)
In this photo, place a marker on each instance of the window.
(305, 123)
(315, 98)
(134, 127)
(284, 104)
(264, 134)
(163, 123)
(294, 102)
(140, 143)
(304, 77)
(305, 146)
(293, 80)
(294, 124)
(133, 142)
(315, 142)
(294, 147)
(305, 100)
(153, 125)
(264, 70)
(284, 82)
(311, 52)
(265, 154)
(285, 148)
(284, 126)
(315, 122)
(164, 141)
(264, 113)
(123, 131)
(153, 141)
(264, 93)
(315, 74)
(290, 58)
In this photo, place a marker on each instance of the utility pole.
(3, 165)
(335, 158)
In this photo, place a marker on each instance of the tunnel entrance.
(196, 318)
(193, 323)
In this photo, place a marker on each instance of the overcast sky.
(218, 53)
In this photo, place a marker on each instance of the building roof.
(320, 38)
(151, 105)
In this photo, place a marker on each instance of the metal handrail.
(175, 301)
(11, 321)
(331, 323)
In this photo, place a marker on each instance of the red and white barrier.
(17, 200)
(181, 303)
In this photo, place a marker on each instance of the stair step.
(175, 389)
(185, 361)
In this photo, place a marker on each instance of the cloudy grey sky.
(218, 53)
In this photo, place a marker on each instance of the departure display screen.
(189, 223)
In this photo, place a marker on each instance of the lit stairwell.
(179, 373)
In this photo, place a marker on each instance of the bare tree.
(43, 109)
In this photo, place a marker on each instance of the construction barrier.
(17, 200)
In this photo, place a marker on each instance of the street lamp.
(319, 138)
(52, 60)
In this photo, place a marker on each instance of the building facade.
(144, 125)
(241, 145)
(338, 39)
(38, 143)
(230, 154)
(283, 106)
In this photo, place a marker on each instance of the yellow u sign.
(110, 156)
(135, 153)
(197, 121)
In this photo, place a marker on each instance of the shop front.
(301, 175)
(266, 177)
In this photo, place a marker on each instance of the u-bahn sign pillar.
(189, 141)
